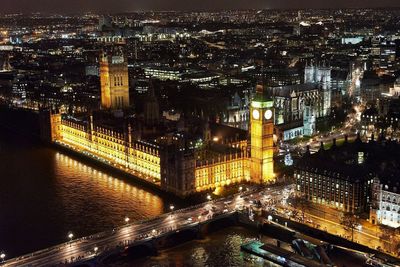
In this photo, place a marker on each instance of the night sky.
(132, 5)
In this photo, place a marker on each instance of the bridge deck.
(128, 235)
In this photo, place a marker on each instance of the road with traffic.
(95, 247)
(90, 247)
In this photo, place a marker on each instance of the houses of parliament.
(181, 157)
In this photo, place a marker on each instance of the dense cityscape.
(153, 138)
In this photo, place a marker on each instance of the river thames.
(46, 193)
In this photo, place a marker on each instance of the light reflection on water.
(107, 198)
(44, 194)
(220, 248)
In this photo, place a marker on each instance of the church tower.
(262, 130)
(321, 76)
(325, 83)
(308, 119)
(114, 80)
(151, 108)
(309, 73)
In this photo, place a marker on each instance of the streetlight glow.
(70, 236)
(127, 219)
(2, 256)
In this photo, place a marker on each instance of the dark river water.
(45, 193)
(221, 248)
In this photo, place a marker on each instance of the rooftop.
(358, 161)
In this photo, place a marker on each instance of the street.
(86, 248)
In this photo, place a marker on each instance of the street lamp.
(171, 207)
(70, 236)
(240, 189)
(2, 256)
(95, 250)
(126, 219)
(208, 197)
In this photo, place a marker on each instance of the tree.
(300, 204)
(390, 239)
(350, 221)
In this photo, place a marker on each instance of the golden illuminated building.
(111, 146)
(262, 144)
(172, 162)
(114, 81)
(50, 126)
(221, 170)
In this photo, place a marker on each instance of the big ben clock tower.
(262, 131)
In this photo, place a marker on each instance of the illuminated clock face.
(256, 114)
(268, 114)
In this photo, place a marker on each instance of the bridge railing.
(111, 232)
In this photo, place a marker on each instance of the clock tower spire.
(262, 131)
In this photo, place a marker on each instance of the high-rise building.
(6, 64)
(114, 80)
(105, 22)
(262, 130)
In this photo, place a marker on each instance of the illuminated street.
(84, 248)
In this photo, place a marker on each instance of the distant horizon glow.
(103, 6)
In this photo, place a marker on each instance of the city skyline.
(76, 6)
(126, 136)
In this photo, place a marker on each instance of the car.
(189, 219)
(204, 213)
(239, 207)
